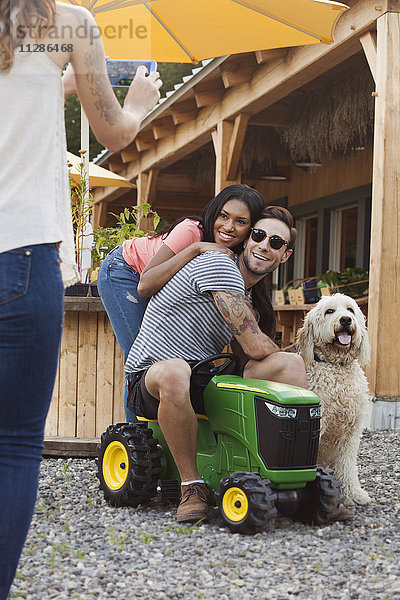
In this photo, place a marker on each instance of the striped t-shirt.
(182, 320)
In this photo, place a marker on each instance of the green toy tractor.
(256, 450)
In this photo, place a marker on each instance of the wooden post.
(384, 289)
(99, 214)
(228, 142)
(146, 193)
(368, 42)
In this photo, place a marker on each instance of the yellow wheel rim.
(235, 504)
(115, 465)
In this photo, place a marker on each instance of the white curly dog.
(334, 345)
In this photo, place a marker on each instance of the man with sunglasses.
(193, 317)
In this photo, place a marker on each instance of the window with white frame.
(343, 238)
(305, 256)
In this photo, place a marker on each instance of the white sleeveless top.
(35, 206)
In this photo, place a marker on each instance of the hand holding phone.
(144, 92)
(122, 72)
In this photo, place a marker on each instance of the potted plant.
(81, 209)
(127, 226)
(352, 281)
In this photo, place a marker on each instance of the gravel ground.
(79, 547)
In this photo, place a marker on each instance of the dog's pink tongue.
(344, 338)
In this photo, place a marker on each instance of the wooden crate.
(325, 291)
(280, 297)
(89, 388)
(296, 296)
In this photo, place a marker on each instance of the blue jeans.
(117, 284)
(31, 320)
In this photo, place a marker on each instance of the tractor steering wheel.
(221, 369)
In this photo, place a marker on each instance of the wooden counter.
(88, 393)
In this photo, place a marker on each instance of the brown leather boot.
(344, 514)
(193, 505)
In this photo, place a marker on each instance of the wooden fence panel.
(105, 374)
(68, 376)
(87, 372)
(52, 417)
(119, 382)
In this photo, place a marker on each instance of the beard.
(258, 268)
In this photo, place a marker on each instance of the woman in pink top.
(132, 273)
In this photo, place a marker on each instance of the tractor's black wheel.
(129, 464)
(246, 502)
(170, 491)
(321, 503)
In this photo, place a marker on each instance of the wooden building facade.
(313, 128)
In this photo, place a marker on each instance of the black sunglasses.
(276, 242)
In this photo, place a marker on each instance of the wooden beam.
(130, 153)
(69, 446)
(273, 116)
(146, 187)
(270, 83)
(384, 282)
(205, 98)
(183, 112)
(115, 163)
(236, 145)
(368, 42)
(222, 137)
(233, 77)
(238, 70)
(163, 128)
(99, 214)
(145, 140)
(263, 56)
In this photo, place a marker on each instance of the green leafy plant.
(64, 470)
(352, 281)
(186, 529)
(146, 538)
(116, 539)
(81, 208)
(127, 226)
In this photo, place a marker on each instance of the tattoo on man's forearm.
(105, 103)
(248, 323)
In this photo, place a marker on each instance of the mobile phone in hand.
(121, 72)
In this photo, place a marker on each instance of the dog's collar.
(321, 360)
(318, 359)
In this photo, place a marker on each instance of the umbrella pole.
(86, 228)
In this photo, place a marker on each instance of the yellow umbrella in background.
(192, 30)
(98, 176)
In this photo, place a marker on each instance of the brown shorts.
(143, 404)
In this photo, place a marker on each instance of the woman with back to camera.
(133, 272)
(35, 219)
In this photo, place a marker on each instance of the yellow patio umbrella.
(98, 176)
(193, 30)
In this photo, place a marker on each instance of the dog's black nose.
(345, 321)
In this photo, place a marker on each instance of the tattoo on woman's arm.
(105, 103)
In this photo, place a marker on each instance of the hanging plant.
(331, 120)
(200, 168)
(262, 151)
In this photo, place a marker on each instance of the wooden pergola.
(213, 109)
